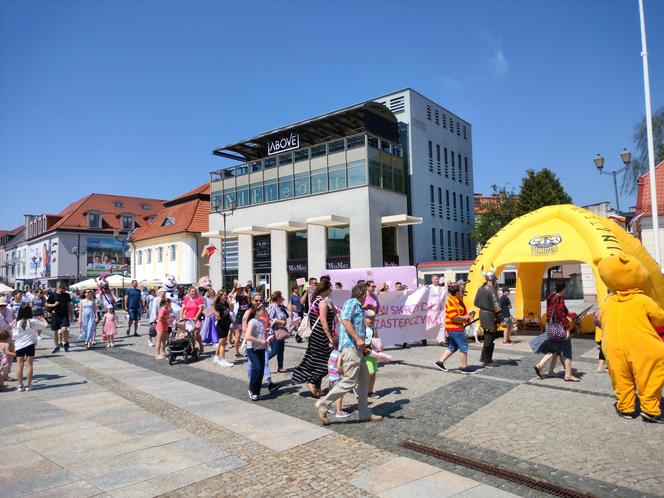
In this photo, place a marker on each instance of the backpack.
(305, 329)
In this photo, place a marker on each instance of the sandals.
(342, 414)
(572, 379)
(314, 391)
(538, 371)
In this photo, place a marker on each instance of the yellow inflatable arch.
(551, 236)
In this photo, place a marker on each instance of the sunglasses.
(258, 300)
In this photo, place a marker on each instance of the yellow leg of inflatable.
(528, 289)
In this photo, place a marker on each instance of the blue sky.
(130, 97)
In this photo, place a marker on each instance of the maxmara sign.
(283, 144)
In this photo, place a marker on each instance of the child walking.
(26, 332)
(110, 326)
(372, 363)
(334, 373)
(6, 357)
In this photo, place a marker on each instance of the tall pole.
(651, 146)
(223, 268)
(615, 189)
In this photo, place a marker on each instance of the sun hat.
(3, 301)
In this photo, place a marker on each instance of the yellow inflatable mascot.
(633, 349)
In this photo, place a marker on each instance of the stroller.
(182, 342)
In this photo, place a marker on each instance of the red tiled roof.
(643, 199)
(188, 213)
(74, 216)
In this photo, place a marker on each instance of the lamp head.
(599, 162)
(626, 156)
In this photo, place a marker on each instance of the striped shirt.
(454, 308)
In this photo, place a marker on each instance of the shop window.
(270, 190)
(357, 173)
(297, 245)
(302, 184)
(338, 242)
(389, 243)
(256, 190)
(337, 177)
(286, 187)
(319, 181)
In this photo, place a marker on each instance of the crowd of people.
(342, 340)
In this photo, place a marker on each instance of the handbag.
(281, 334)
(243, 347)
(305, 329)
(555, 331)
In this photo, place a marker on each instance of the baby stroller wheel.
(171, 359)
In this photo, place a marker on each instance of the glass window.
(430, 149)
(242, 194)
(160, 254)
(286, 187)
(396, 150)
(297, 245)
(229, 198)
(374, 173)
(174, 253)
(148, 256)
(337, 177)
(385, 146)
(127, 222)
(302, 184)
(438, 152)
(256, 166)
(301, 155)
(119, 204)
(270, 191)
(386, 172)
(270, 162)
(319, 180)
(318, 150)
(286, 158)
(354, 142)
(228, 173)
(373, 142)
(139, 257)
(241, 169)
(94, 220)
(336, 146)
(357, 173)
(338, 242)
(399, 182)
(256, 193)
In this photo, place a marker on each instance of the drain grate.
(487, 468)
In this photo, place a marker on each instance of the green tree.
(639, 163)
(541, 188)
(498, 211)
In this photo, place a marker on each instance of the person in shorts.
(456, 318)
(506, 315)
(25, 333)
(133, 302)
(62, 309)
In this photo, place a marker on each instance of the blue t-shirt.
(133, 299)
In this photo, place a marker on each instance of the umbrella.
(90, 283)
(5, 288)
(151, 284)
(119, 282)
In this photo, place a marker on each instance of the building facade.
(172, 242)
(87, 238)
(642, 225)
(439, 155)
(325, 193)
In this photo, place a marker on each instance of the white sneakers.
(222, 363)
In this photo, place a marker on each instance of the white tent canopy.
(5, 288)
(90, 283)
(119, 282)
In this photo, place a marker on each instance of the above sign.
(283, 144)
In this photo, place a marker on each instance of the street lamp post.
(626, 157)
(216, 204)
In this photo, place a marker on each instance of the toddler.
(334, 373)
(372, 363)
(110, 326)
(6, 357)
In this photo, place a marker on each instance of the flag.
(208, 251)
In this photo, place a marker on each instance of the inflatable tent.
(551, 236)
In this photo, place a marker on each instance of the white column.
(245, 256)
(402, 245)
(279, 252)
(316, 250)
(365, 241)
(189, 269)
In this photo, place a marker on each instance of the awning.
(252, 230)
(396, 220)
(219, 234)
(288, 226)
(331, 220)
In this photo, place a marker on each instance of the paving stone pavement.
(98, 426)
(497, 415)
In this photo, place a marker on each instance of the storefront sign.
(283, 144)
(338, 264)
(297, 267)
(262, 254)
(106, 255)
(40, 257)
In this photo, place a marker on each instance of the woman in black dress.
(314, 364)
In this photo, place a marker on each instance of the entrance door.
(263, 279)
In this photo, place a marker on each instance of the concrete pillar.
(365, 241)
(279, 253)
(215, 262)
(317, 250)
(245, 256)
(190, 259)
(402, 245)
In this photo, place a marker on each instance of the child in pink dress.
(110, 325)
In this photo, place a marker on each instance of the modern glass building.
(329, 192)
